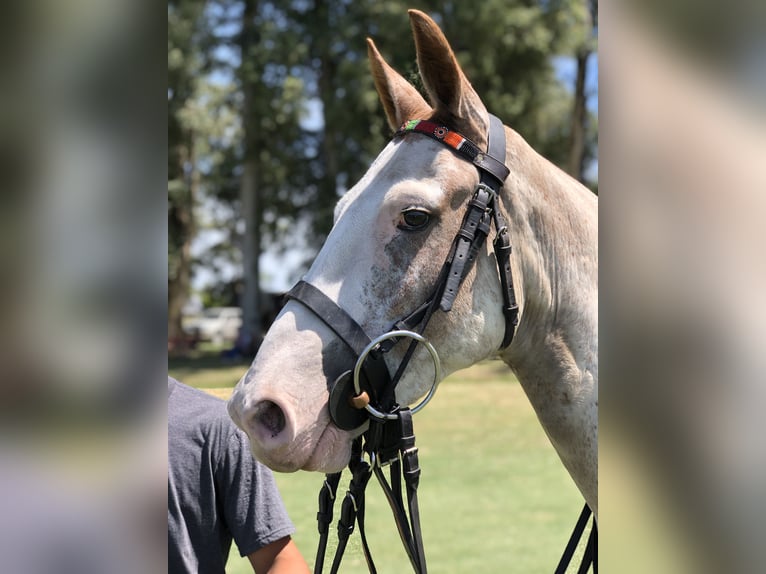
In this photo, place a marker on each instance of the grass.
(204, 368)
(493, 495)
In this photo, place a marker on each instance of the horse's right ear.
(401, 100)
(450, 92)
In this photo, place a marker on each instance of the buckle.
(484, 187)
(382, 463)
(410, 451)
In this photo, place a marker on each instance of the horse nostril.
(270, 417)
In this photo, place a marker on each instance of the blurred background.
(273, 115)
(89, 261)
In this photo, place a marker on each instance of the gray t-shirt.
(216, 490)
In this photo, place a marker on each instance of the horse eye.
(414, 219)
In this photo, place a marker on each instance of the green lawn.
(493, 495)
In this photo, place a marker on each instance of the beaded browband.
(461, 144)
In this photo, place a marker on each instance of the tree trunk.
(183, 175)
(251, 331)
(575, 165)
(328, 187)
(181, 220)
(178, 295)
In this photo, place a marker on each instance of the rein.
(367, 393)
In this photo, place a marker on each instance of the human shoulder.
(193, 408)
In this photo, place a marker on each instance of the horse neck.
(554, 234)
(552, 221)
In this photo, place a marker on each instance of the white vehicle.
(216, 324)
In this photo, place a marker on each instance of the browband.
(462, 145)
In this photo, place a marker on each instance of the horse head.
(391, 235)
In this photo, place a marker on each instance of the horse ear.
(401, 100)
(449, 90)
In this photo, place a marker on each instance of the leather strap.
(476, 223)
(352, 511)
(341, 323)
(502, 243)
(411, 474)
(404, 465)
(470, 238)
(324, 516)
(502, 248)
(491, 162)
(349, 331)
(590, 556)
(495, 153)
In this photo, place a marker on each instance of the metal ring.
(391, 335)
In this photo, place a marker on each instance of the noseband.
(367, 392)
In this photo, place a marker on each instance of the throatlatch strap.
(502, 243)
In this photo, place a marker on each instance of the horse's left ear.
(451, 93)
(401, 101)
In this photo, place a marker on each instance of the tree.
(352, 128)
(242, 145)
(184, 67)
(270, 109)
(250, 191)
(504, 47)
(580, 120)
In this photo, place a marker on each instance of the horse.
(384, 254)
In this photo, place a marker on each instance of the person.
(217, 492)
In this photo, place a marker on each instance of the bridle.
(367, 392)
(482, 210)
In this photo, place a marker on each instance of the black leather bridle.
(367, 393)
(482, 210)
